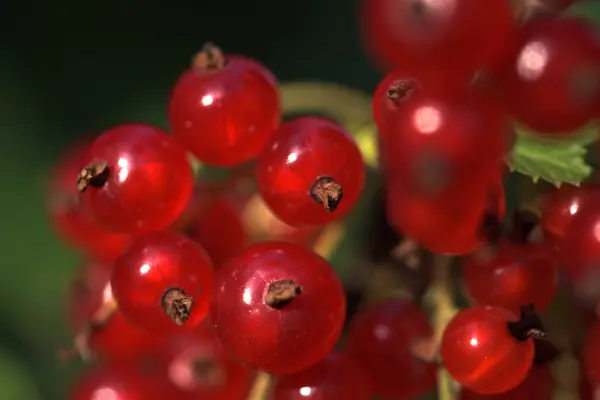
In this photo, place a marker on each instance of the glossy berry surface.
(380, 339)
(311, 172)
(115, 339)
(337, 376)
(450, 224)
(538, 385)
(480, 353)
(278, 307)
(519, 273)
(136, 179)
(420, 32)
(197, 365)
(553, 78)
(225, 110)
(162, 283)
(220, 230)
(70, 219)
(120, 383)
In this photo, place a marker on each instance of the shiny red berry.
(162, 283)
(113, 339)
(488, 350)
(552, 79)
(337, 376)
(71, 220)
(381, 340)
(310, 172)
(519, 273)
(120, 382)
(136, 179)
(224, 108)
(197, 365)
(278, 307)
(537, 386)
(442, 32)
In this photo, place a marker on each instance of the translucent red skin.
(150, 187)
(544, 102)
(393, 371)
(479, 352)
(244, 110)
(153, 264)
(277, 341)
(519, 274)
(321, 148)
(558, 209)
(457, 39)
(591, 354)
(449, 224)
(117, 340)
(122, 383)
(337, 376)
(220, 230)
(178, 353)
(70, 219)
(538, 385)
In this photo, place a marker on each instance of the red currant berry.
(306, 167)
(553, 78)
(456, 223)
(381, 340)
(278, 307)
(519, 273)
(137, 179)
(220, 230)
(337, 376)
(114, 338)
(537, 385)
(71, 220)
(224, 107)
(119, 382)
(163, 282)
(422, 32)
(591, 354)
(486, 350)
(198, 366)
(558, 209)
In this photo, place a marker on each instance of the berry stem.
(529, 325)
(95, 175)
(208, 59)
(261, 387)
(407, 252)
(177, 305)
(281, 293)
(328, 192)
(439, 296)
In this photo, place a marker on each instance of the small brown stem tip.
(328, 192)
(95, 175)
(281, 293)
(177, 305)
(529, 325)
(400, 91)
(209, 58)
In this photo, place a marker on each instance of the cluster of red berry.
(174, 295)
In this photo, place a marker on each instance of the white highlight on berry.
(123, 165)
(532, 60)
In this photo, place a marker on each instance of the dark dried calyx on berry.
(94, 175)
(328, 192)
(400, 91)
(281, 293)
(207, 372)
(210, 58)
(177, 305)
(529, 325)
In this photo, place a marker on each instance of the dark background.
(69, 68)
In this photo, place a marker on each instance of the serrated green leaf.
(557, 161)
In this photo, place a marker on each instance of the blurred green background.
(69, 68)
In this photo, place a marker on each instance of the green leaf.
(557, 161)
